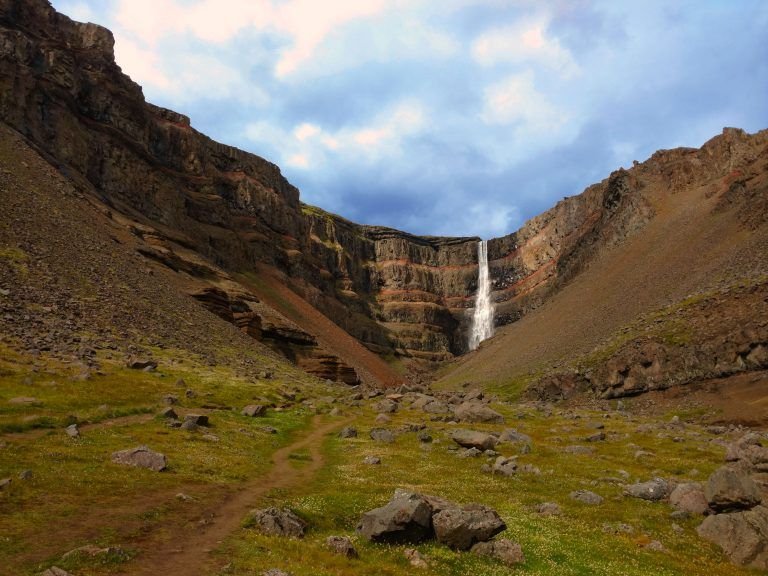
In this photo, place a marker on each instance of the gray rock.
(254, 410)
(199, 419)
(141, 457)
(653, 490)
(505, 466)
(142, 364)
(586, 497)
(169, 413)
(424, 437)
(372, 460)
(474, 439)
(749, 451)
(477, 412)
(415, 558)
(548, 509)
(731, 489)
(583, 450)
(741, 535)
(277, 522)
(72, 431)
(189, 425)
(506, 551)
(596, 437)
(461, 528)
(383, 419)
(55, 571)
(171, 399)
(25, 475)
(275, 572)
(406, 518)
(24, 400)
(689, 497)
(513, 436)
(348, 432)
(341, 545)
(385, 406)
(382, 435)
(469, 453)
(436, 407)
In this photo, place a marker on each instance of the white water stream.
(482, 319)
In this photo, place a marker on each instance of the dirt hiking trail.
(190, 551)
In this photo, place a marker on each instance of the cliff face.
(395, 292)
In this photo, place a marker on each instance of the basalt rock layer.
(209, 206)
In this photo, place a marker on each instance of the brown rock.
(141, 457)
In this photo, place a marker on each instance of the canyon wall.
(395, 292)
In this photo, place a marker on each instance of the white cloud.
(78, 11)
(525, 42)
(515, 100)
(141, 64)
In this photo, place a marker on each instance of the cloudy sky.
(449, 117)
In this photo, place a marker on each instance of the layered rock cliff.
(396, 293)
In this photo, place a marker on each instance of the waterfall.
(482, 319)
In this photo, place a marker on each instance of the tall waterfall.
(482, 319)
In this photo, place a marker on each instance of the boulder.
(689, 497)
(341, 545)
(141, 457)
(188, 425)
(386, 406)
(586, 497)
(474, 439)
(743, 536)
(507, 551)
(731, 489)
(513, 436)
(461, 528)
(477, 412)
(505, 466)
(653, 490)
(254, 410)
(277, 522)
(405, 518)
(348, 432)
(749, 451)
(382, 435)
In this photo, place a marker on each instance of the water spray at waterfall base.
(482, 319)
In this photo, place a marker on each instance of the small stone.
(25, 475)
(184, 497)
(55, 571)
(583, 450)
(277, 522)
(189, 426)
(372, 460)
(171, 399)
(383, 419)
(655, 545)
(382, 435)
(211, 437)
(548, 509)
(469, 453)
(586, 497)
(505, 466)
(199, 419)
(254, 410)
(190, 394)
(415, 558)
(141, 457)
(275, 572)
(507, 551)
(169, 413)
(341, 545)
(653, 490)
(5, 483)
(269, 429)
(348, 432)
(597, 437)
(424, 437)
(72, 431)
